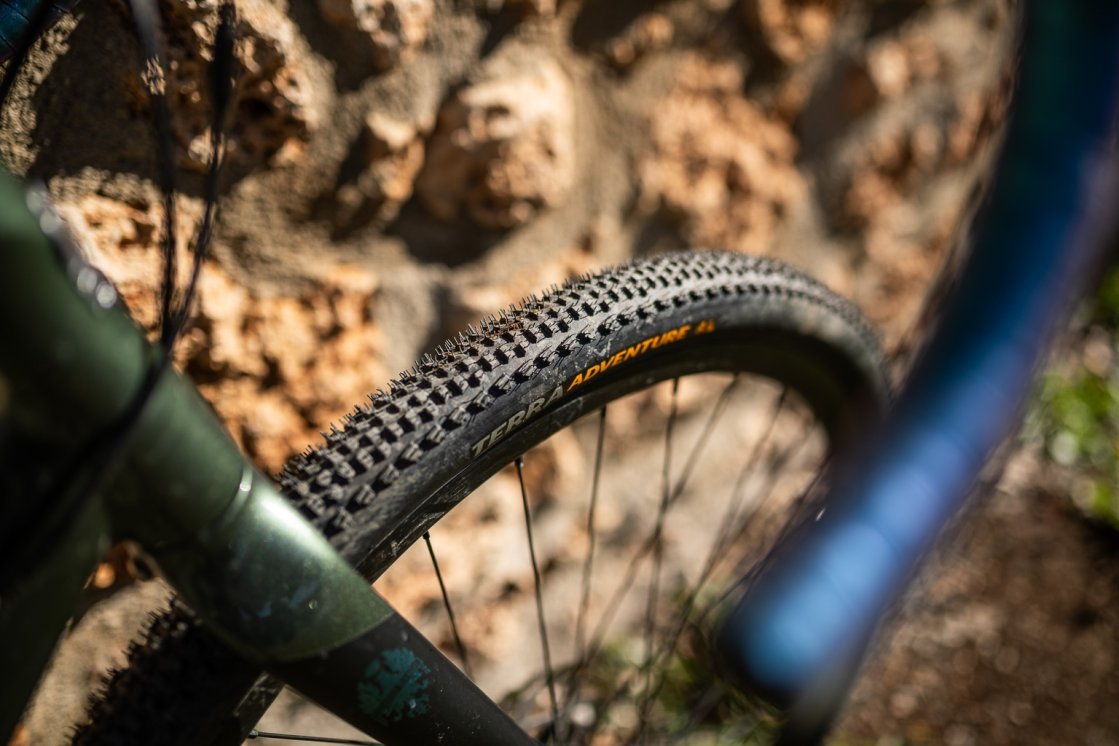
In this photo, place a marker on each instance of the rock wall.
(396, 168)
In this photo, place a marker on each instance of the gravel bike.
(117, 446)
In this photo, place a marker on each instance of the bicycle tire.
(404, 459)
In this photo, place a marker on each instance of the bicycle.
(776, 285)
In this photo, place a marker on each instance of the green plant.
(1076, 410)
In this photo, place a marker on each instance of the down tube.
(274, 589)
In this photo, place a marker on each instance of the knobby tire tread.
(370, 485)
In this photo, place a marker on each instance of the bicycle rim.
(400, 464)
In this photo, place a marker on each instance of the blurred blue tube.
(800, 631)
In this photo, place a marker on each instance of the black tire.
(401, 461)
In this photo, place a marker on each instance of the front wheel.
(565, 389)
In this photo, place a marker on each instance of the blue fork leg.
(800, 632)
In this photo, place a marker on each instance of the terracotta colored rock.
(394, 150)
(650, 32)
(889, 69)
(319, 354)
(121, 239)
(718, 165)
(270, 115)
(388, 154)
(471, 302)
(538, 7)
(277, 368)
(504, 148)
(396, 28)
(792, 28)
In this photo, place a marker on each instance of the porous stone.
(270, 114)
(649, 33)
(303, 360)
(386, 157)
(277, 368)
(536, 7)
(396, 28)
(791, 28)
(888, 68)
(504, 147)
(718, 165)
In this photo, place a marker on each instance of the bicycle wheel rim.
(756, 305)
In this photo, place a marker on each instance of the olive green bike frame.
(257, 574)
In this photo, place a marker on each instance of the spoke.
(730, 518)
(588, 561)
(624, 687)
(732, 525)
(748, 567)
(447, 605)
(708, 702)
(743, 507)
(254, 734)
(597, 640)
(549, 672)
(705, 435)
(591, 651)
(736, 505)
(613, 605)
(657, 539)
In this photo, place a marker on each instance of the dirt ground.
(389, 182)
(1013, 635)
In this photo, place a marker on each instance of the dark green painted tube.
(269, 584)
(73, 362)
(33, 614)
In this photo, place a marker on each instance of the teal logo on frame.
(394, 687)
